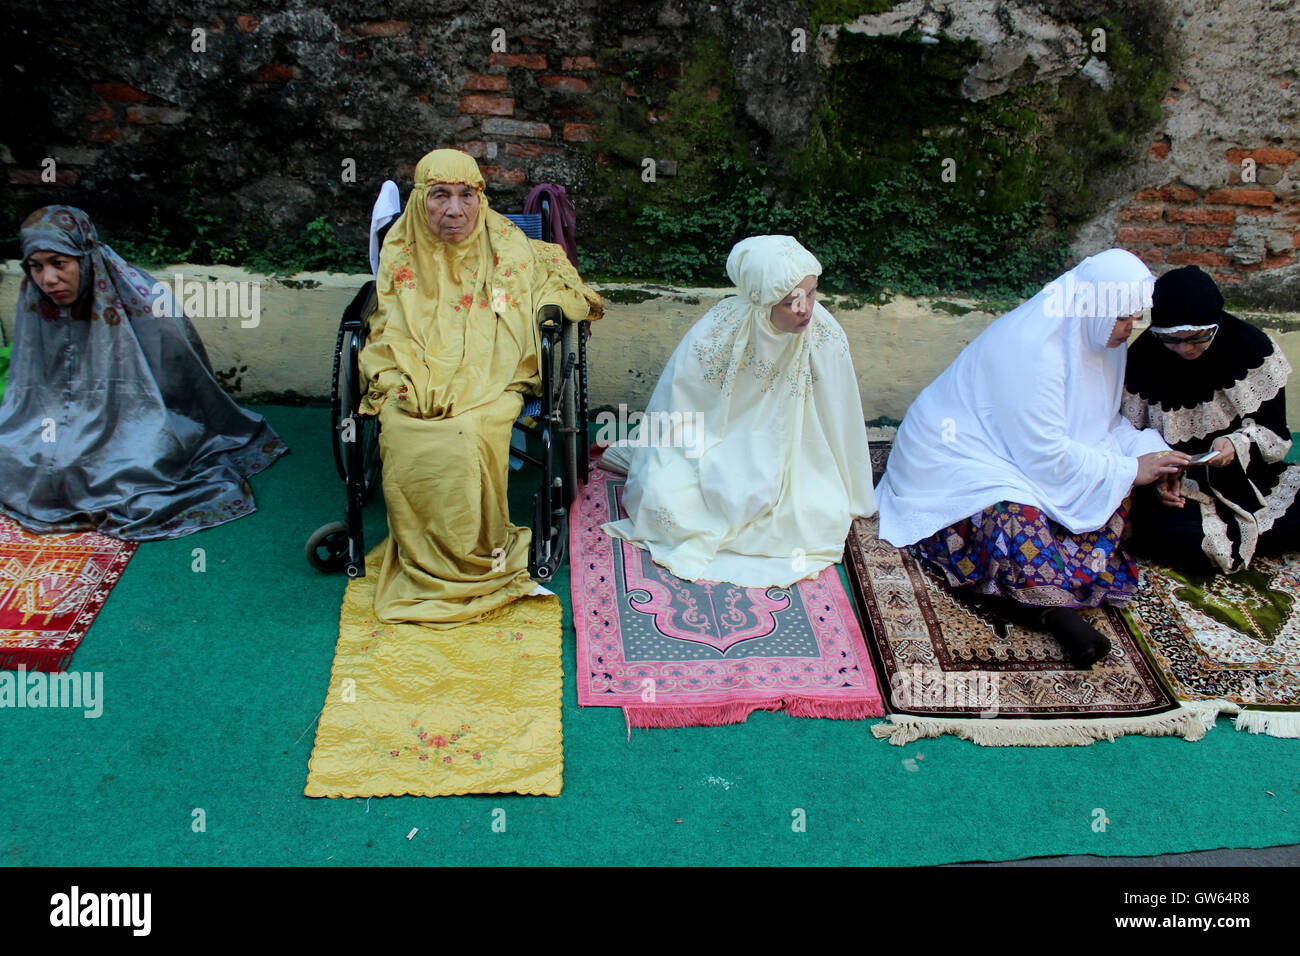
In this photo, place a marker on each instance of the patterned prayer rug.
(1228, 643)
(413, 710)
(949, 672)
(673, 653)
(51, 588)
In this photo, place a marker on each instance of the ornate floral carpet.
(949, 671)
(413, 710)
(1228, 643)
(51, 588)
(673, 653)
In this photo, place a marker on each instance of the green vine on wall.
(865, 192)
(316, 248)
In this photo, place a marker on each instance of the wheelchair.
(557, 419)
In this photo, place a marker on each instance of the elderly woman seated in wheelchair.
(454, 346)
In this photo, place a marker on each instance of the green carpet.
(212, 683)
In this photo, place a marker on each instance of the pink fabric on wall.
(563, 217)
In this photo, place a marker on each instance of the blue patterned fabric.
(1016, 551)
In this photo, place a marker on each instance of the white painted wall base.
(898, 348)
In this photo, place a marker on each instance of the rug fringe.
(47, 660)
(1271, 722)
(903, 729)
(1209, 710)
(718, 715)
(712, 715)
(833, 709)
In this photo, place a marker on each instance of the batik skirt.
(1015, 551)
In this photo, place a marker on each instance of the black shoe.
(1084, 645)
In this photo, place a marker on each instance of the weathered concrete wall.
(1217, 181)
(1219, 186)
(255, 127)
(259, 107)
(898, 348)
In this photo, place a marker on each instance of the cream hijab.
(756, 458)
(1028, 412)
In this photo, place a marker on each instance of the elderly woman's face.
(453, 210)
(57, 274)
(794, 312)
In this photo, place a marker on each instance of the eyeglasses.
(1199, 338)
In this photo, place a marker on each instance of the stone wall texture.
(256, 112)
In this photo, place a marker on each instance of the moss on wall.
(689, 126)
(866, 188)
(1096, 131)
(843, 11)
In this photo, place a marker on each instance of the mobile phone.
(1207, 457)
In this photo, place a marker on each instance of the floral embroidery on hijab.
(110, 288)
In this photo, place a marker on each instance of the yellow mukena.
(453, 348)
(412, 710)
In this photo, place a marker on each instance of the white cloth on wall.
(756, 457)
(1028, 412)
(387, 208)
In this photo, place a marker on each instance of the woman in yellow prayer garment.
(453, 348)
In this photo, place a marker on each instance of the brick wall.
(261, 120)
(525, 106)
(1232, 231)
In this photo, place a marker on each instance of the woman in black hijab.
(1208, 381)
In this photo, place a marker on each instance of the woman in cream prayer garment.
(755, 458)
(1012, 471)
(453, 348)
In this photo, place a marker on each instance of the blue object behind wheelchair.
(531, 224)
(557, 420)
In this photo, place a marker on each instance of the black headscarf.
(1188, 296)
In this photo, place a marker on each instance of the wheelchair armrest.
(362, 307)
(550, 319)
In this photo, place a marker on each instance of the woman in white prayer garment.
(1012, 471)
(754, 459)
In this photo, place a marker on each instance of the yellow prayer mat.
(413, 710)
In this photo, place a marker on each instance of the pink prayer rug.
(673, 653)
(51, 588)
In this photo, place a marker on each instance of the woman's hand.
(1157, 464)
(1169, 490)
(1227, 454)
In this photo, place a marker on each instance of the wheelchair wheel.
(572, 430)
(346, 425)
(327, 548)
(584, 409)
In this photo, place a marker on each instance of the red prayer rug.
(51, 588)
(675, 653)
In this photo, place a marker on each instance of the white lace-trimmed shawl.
(1028, 412)
(764, 491)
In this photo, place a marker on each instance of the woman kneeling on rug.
(752, 460)
(453, 348)
(1011, 472)
(1209, 382)
(112, 420)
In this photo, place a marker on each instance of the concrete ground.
(1268, 856)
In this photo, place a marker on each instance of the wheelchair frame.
(561, 419)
